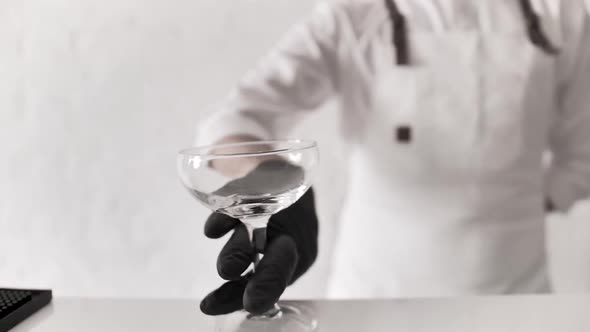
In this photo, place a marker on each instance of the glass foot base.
(290, 318)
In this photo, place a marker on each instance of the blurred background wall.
(95, 99)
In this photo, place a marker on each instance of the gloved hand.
(291, 249)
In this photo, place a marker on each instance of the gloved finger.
(236, 255)
(225, 299)
(218, 224)
(272, 275)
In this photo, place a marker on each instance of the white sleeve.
(569, 176)
(298, 76)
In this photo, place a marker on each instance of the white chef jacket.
(489, 237)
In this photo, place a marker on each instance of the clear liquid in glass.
(245, 206)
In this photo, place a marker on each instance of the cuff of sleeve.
(225, 124)
(560, 191)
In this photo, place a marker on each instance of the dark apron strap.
(399, 33)
(534, 29)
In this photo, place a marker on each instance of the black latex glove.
(291, 249)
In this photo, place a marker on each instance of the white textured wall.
(95, 99)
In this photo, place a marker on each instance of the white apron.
(444, 198)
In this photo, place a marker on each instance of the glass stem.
(256, 227)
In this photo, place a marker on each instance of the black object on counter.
(16, 305)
